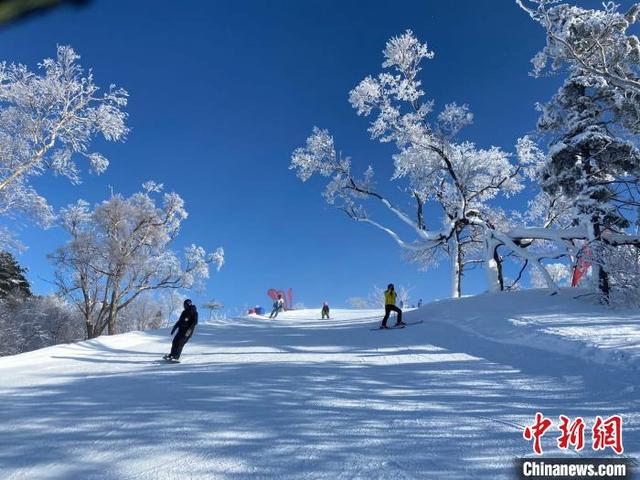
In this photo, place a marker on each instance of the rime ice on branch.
(121, 249)
(591, 126)
(48, 120)
(458, 178)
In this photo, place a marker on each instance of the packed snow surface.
(300, 397)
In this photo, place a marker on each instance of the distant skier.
(185, 325)
(325, 310)
(419, 303)
(390, 306)
(278, 305)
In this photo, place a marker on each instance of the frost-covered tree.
(12, 277)
(559, 273)
(435, 169)
(622, 263)
(34, 322)
(403, 293)
(121, 249)
(546, 209)
(359, 303)
(592, 124)
(48, 120)
(376, 298)
(597, 42)
(590, 160)
(148, 311)
(216, 307)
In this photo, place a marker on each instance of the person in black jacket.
(185, 325)
(325, 310)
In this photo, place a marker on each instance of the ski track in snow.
(296, 397)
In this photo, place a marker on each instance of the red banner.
(582, 266)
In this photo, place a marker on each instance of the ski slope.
(298, 397)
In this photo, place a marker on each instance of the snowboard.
(415, 323)
(397, 328)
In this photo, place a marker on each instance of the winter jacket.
(389, 297)
(187, 322)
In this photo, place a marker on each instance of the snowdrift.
(567, 323)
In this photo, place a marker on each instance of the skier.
(325, 310)
(419, 303)
(390, 306)
(185, 325)
(278, 305)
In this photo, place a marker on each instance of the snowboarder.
(325, 310)
(278, 305)
(185, 325)
(390, 306)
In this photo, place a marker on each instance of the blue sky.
(221, 93)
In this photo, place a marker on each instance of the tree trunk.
(595, 232)
(498, 261)
(111, 325)
(598, 270)
(90, 332)
(113, 310)
(111, 322)
(456, 261)
(493, 264)
(90, 326)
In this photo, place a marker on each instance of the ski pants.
(178, 344)
(274, 312)
(325, 313)
(387, 311)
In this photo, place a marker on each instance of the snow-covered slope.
(300, 397)
(566, 323)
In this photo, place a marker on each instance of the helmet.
(187, 303)
(390, 286)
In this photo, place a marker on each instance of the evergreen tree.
(12, 279)
(591, 160)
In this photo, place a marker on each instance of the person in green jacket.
(390, 306)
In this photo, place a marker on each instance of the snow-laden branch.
(392, 234)
(594, 41)
(48, 119)
(457, 177)
(533, 257)
(319, 156)
(554, 235)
